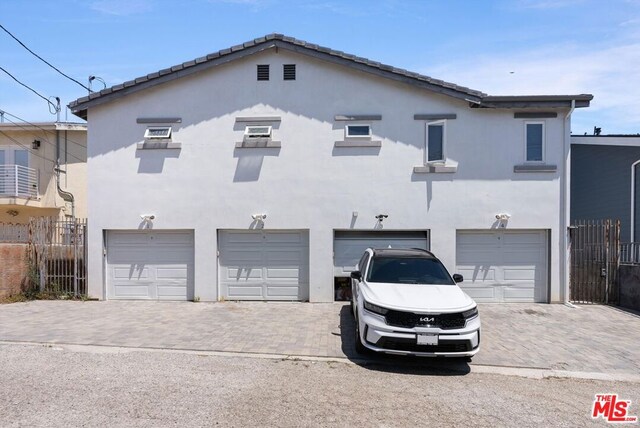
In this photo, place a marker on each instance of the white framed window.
(436, 141)
(357, 131)
(158, 133)
(534, 137)
(257, 133)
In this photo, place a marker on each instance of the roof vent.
(263, 71)
(289, 71)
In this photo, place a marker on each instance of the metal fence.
(58, 251)
(595, 258)
(630, 253)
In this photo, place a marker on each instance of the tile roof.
(80, 105)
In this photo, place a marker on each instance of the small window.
(158, 132)
(435, 142)
(534, 141)
(263, 71)
(357, 131)
(289, 71)
(257, 132)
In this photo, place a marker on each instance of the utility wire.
(27, 148)
(30, 88)
(42, 59)
(47, 140)
(37, 126)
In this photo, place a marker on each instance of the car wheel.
(360, 348)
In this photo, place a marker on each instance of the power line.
(30, 88)
(42, 59)
(39, 127)
(47, 140)
(26, 148)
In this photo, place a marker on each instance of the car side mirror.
(356, 275)
(457, 277)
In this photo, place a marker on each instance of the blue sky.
(500, 47)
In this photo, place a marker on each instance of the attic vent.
(158, 132)
(263, 71)
(257, 133)
(289, 71)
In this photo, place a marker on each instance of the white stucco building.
(260, 171)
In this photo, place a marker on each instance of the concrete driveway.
(597, 339)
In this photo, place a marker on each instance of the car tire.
(360, 348)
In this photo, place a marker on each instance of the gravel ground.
(58, 387)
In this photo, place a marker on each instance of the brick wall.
(14, 268)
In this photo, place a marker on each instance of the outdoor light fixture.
(258, 217)
(147, 217)
(503, 216)
(381, 217)
(35, 144)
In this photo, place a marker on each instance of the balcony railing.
(17, 181)
(630, 253)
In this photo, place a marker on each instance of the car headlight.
(375, 308)
(471, 313)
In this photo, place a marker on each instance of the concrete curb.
(527, 372)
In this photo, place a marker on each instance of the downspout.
(566, 213)
(66, 196)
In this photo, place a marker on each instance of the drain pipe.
(66, 196)
(566, 194)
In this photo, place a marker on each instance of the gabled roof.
(474, 97)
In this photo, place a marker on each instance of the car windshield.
(408, 270)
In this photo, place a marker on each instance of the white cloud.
(122, 7)
(547, 4)
(611, 74)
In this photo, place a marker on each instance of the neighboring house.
(28, 181)
(605, 181)
(262, 171)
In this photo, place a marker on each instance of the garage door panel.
(523, 238)
(350, 246)
(283, 291)
(522, 274)
(264, 265)
(244, 274)
(517, 261)
(481, 294)
(139, 291)
(518, 294)
(293, 238)
(477, 275)
(245, 292)
(283, 274)
(150, 264)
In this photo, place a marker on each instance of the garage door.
(264, 265)
(503, 266)
(156, 265)
(348, 246)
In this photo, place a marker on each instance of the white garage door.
(264, 265)
(503, 266)
(156, 265)
(348, 246)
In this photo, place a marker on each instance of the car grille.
(410, 345)
(410, 320)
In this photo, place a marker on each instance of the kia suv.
(406, 302)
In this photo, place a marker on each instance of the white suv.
(405, 302)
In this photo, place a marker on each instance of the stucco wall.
(14, 268)
(308, 183)
(72, 159)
